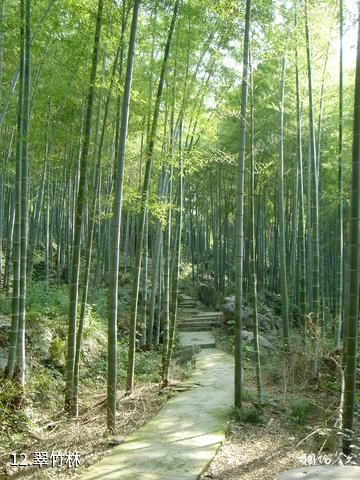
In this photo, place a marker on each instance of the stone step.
(194, 321)
(195, 328)
(183, 297)
(199, 321)
(203, 339)
(207, 345)
(218, 315)
(202, 320)
(189, 312)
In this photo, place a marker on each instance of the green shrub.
(13, 419)
(248, 415)
(46, 387)
(273, 370)
(327, 440)
(300, 410)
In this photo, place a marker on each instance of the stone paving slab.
(322, 473)
(180, 441)
(197, 338)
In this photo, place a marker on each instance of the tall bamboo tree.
(239, 238)
(299, 163)
(176, 260)
(340, 263)
(253, 273)
(13, 341)
(314, 198)
(116, 227)
(352, 303)
(79, 211)
(144, 201)
(282, 252)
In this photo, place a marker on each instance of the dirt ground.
(85, 435)
(262, 452)
(253, 452)
(250, 452)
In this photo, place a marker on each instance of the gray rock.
(230, 299)
(263, 342)
(266, 323)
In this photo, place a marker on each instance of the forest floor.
(184, 436)
(87, 434)
(251, 451)
(292, 432)
(300, 433)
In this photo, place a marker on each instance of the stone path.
(322, 472)
(181, 440)
(203, 339)
(195, 324)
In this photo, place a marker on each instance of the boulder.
(230, 299)
(263, 342)
(266, 323)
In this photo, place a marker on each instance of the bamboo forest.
(179, 239)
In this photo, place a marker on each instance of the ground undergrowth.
(37, 423)
(300, 422)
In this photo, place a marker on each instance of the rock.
(266, 323)
(41, 340)
(229, 299)
(263, 342)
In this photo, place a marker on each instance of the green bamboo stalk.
(116, 228)
(13, 340)
(79, 210)
(315, 201)
(239, 219)
(24, 200)
(144, 201)
(282, 252)
(339, 307)
(352, 303)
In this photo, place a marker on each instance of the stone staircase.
(187, 303)
(195, 323)
(201, 322)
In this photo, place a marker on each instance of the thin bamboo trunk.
(239, 238)
(339, 308)
(145, 195)
(282, 253)
(315, 202)
(116, 228)
(352, 303)
(79, 211)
